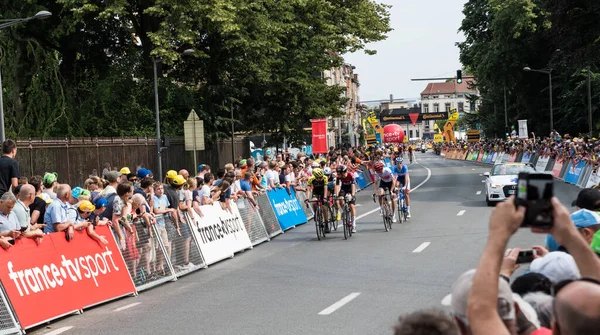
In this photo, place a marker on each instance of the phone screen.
(537, 190)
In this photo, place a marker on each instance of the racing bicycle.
(387, 210)
(319, 223)
(347, 217)
(333, 210)
(401, 206)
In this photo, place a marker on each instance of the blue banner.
(361, 182)
(526, 158)
(491, 157)
(388, 162)
(287, 208)
(573, 172)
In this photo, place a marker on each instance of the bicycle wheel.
(318, 223)
(400, 209)
(334, 221)
(386, 215)
(348, 222)
(346, 232)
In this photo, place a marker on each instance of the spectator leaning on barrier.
(121, 213)
(161, 208)
(205, 197)
(50, 183)
(55, 217)
(38, 207)
(21, 209)
(9, 167)
(246, 188)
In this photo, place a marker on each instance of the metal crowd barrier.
(301, 196)
(8, 323)
(252, 221)
(186, 256)
(268, 215)
(585, 175)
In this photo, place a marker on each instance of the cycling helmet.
(315, 164)
(342, 169)
(317, 173)
(378, 166)
(327, 171)
(399, 160)
(100, 202)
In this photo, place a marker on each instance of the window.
(448, 107)
(460, 95)
(425, 108)
(436, 108)
(461, 107)
(410, 132)
(417, 133)
(435, 96)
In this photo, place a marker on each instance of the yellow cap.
(86, 206)
(125, 170)
(179, 180)
(171, 174)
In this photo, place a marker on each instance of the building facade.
(440, 97)
(345, 129)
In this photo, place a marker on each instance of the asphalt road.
(298, 285)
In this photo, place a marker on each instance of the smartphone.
(535, 192)
(23, 229)
(12, 241)
(526, 256)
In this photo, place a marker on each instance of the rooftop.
(450, 87)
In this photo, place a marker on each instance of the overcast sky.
(422, 45)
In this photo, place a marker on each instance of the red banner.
(319, 136)
(62, 277)
(558, 165)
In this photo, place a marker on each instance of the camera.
(535, 192)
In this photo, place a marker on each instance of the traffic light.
(459, 76)
(506, 131)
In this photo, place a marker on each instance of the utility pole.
(505, 109)
(589, 87)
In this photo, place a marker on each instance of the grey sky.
(422, 45)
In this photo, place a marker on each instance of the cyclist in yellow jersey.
(317, 190)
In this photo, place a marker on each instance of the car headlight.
(497, 185)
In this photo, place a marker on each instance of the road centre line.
(461, 213)
(339, 304)
(59, 330)
(122, 308)
(422, 247)
(478, 192)
(412, 190)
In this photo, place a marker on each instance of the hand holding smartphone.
(526, 256)
(535, 192)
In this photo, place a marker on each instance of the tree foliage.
(504, 36)
(88, 70)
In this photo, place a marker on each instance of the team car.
(501, 181)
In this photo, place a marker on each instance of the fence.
(579, 173)
(76, 159)
(90, 272)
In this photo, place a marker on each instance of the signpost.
(473, 136)
(193, 132)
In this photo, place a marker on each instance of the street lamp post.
(549, 73)
(157, 112)
(5, 24)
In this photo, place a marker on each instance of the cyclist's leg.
(407, 198)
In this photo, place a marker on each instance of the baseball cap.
(86, 206)
(143, 173)
(113, 176)
(587, 198)
(50, 177)
(585, 218)
(125, 170)
(200, 167)
(85, 193)
(100, 202)
(557, 266)
(461, 288)
(171, 174)
(178, 180)
(243, 163)
(76, 192)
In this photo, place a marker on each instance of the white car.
(501, 182)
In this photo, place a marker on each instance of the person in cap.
(171, 174)
(588, 198)
(50, 182)
(181, 202)
(587, 223)
(144, 173)
(9, 167)
(84, 211)
(113, 180)
(556, 266)
(100, 205)
(125, 172)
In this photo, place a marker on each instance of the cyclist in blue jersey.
(400, 170)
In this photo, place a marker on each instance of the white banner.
(541, 163)
(499, 157)
(523, 132)
(593, 180)
(220, 234)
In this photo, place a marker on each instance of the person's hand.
(123, 244)
(103, 240)
(15, 233)
(563, 229)
(179, 231)
(509, 263)
(38, 226)
(71, 232)
(539, 251)
(4, 243)
(37, 233)
(505, 219)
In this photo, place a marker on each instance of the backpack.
(108, 212)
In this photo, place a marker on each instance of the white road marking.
(127, 306)
(358, 205)
(461, 213)
(478, 192)
(412, 190)
(473, 169)
(483, 181)
(339, 304)
(422, 247)
(481, 175)
(59, 331)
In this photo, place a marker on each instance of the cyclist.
(317, 190)
(386, 182)
(402, 181)
(410, 153)
(331, 181)
(346, 185)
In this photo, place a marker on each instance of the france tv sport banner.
(57, 277)
(287, 208)
(319, 136)
(220, 233)
(573, 172)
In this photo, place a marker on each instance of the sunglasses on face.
(562, 284)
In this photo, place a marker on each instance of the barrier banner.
(542, 163)
(480, 156)
(287, 208)
(62, 276)
(361, 182)
(526, 157)
(388, 162)
(319, 136)
(519, 157)
(563, 171)
(512, 157)
(252, 220)
(585, 175)
(573, 173)
(220, 233)
(301, 196)
(593, 180)
(491, 157)
(558, 165)
(268, 215)
(505, 158)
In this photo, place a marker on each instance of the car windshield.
(502, 170)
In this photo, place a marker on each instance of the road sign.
(438, 138)
(193, 132)
(473, 136)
